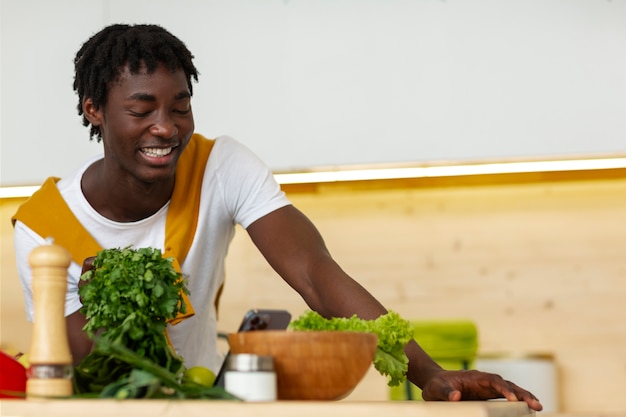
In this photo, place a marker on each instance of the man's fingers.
(87, 264)
(454, 395)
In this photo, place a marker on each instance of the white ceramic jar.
(250, 377)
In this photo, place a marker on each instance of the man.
(163, 186)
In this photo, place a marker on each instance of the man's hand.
(87, 264)
(475, 385)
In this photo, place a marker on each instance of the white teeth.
(156, 152)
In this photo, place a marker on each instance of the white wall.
(335, 82)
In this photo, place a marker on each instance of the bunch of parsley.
(393, 334)
(130, 291)
(127, 299)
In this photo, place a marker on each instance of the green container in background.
(453, 344)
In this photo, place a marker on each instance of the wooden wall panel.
(14, 328)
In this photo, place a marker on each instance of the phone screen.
(256, 320)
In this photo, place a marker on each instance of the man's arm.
(80, 344)
(295, 249)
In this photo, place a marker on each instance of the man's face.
(146, 123)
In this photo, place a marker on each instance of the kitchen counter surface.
(204, 408)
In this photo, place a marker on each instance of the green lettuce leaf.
(393, 334)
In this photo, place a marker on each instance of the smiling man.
(159, 184)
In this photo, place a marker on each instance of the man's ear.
(91, 113)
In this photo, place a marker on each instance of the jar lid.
(246, 362)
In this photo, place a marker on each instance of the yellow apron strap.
(189, 311)
(182, 214)
(48, 215)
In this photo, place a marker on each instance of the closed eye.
(138, 114)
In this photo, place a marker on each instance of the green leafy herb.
(393, 334)
(135, 288)
(127, 299)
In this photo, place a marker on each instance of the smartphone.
(256, 320)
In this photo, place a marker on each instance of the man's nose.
(164, 126)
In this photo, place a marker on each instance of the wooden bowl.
(311, 365)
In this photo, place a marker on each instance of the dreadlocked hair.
(102, 58)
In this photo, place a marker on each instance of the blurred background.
(535, 261)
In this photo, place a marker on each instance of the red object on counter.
(12, 377)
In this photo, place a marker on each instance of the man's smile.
(157, 152)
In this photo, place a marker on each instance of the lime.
(200, 375)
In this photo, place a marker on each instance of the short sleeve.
(247, 184)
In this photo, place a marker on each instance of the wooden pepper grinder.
(50, 374)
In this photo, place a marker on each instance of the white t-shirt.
(238, 188)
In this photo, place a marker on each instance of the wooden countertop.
(204, 408)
